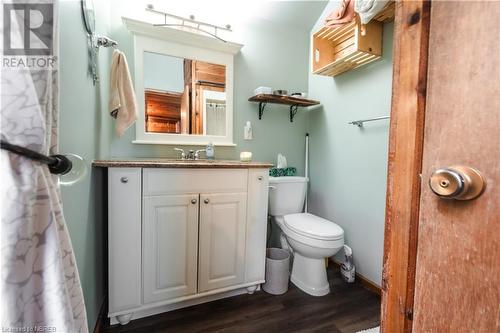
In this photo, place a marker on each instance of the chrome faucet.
(183, 153)
(191, 154)
(197, 153)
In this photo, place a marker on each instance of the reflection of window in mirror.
(184, 96)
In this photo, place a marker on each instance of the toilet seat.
(313, 226)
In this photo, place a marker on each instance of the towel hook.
(96, 42)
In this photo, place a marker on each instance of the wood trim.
(365, 282)
(411, 41)
(101, 317)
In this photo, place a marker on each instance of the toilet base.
(309, 275)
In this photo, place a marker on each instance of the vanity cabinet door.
(124, 238)
(222, 240)
(170, 246)
(256, 234)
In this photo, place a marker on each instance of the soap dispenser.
(210, 151)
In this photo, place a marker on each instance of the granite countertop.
(177, 163)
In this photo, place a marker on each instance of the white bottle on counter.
(210, 151)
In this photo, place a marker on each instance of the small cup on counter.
(245, 156)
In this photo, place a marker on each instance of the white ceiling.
(302, 14)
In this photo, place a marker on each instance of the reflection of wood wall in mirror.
(185, 110)
(205, 76)
(163, 111)
(187, 102)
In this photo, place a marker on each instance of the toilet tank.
(286, 195)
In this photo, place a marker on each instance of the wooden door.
(457, 285)
(170, 246)
(441, 267)
(222, 240)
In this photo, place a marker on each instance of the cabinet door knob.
(193, 201)
(206, 201)
(260, 178)
(124, 179)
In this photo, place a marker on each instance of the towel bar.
(359, 123)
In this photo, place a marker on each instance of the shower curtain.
(40, 286)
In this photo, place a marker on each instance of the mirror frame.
(187, 45)
(88, 13)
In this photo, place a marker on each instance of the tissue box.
(282, 172)
(263, 90)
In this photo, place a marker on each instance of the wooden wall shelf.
(340, 49)
(293, 102)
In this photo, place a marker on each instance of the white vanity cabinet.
(183, 236)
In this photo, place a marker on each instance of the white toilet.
(311, 238)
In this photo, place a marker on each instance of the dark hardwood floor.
(348, 308)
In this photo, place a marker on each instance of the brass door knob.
(457, 182)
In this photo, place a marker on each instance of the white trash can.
(277, 271)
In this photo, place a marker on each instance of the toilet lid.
(313, 226)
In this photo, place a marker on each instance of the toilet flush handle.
(271, 187)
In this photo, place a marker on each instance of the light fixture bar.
(227, 27)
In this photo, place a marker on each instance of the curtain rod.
(58, 164)
(210, 83)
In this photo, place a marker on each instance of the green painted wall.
(84, 131)
(274, 55)
(157, 67)
(348, 165)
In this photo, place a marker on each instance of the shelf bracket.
(293, 111)
(262, 106)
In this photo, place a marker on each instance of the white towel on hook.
(368, 9)
(122, 101)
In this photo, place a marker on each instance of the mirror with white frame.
(184, 86)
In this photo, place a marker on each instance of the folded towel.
(122, 101)
(342, 15)
(368, 9)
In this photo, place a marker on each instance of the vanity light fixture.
(190, 23)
